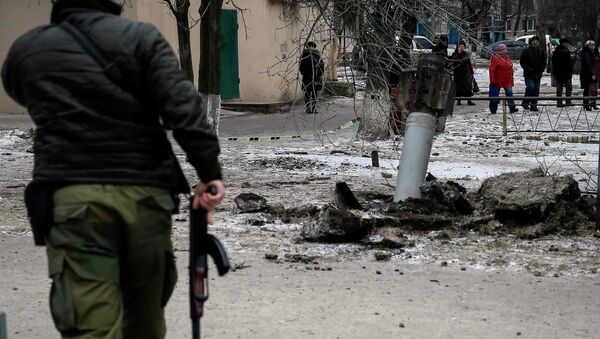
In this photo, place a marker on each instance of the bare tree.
(209, 78)
(381, 32)
(476, 13)
(180, 10)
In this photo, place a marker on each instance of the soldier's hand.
(206, 200)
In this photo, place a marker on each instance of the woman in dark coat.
(463, 73)
(588, 72)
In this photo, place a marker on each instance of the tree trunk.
(374, 123)
(518, 21)
(333, 56)
(375, 115)
(539, 26)
(183, 37)
(209, 77)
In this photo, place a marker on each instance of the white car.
(421, 44)
(550, 43)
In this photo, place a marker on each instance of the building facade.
(259, 53)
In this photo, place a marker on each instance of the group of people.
(562, 71)
(533, 60)
(460, 63)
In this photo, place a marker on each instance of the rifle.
(202, 244)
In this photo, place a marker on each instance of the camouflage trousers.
(111, 261)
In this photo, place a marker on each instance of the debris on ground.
(334, 226)
(382, 255)
(537, 204)
(249, 203)
(527, 204)
(344, 198)
(288, 163)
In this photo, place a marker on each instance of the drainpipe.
(432, 96)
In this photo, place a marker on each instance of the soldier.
(103, 147)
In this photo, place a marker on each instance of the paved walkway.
(332, 115)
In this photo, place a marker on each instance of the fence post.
(504, 118)
(3, 327)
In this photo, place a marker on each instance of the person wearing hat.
(533, 61)
(562, 70)
(587, 75)
(102, 148)
(501, 77)
(462, 72)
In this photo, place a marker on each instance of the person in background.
(501, 76)
(463, 72)
(533, 61)
(587, 76)
(441, 47)
(562, 68)
(597, 73)
(312, 69)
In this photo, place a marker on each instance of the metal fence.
(550, 116)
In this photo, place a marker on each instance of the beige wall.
(266, 65)
(267, 57)
(16, 18)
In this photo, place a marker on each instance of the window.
(529, 24)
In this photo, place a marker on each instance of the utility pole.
(209, 77)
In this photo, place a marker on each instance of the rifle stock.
(202, 244)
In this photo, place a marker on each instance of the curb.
(290, 137)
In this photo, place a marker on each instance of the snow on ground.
(298, 173)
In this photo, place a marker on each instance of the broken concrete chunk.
(449, 194)
(382, 255)
(249, 203)
(430, 177)
(344, 198)
(386, 237)
(378, 221)
(526, 197)
(334, 225)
